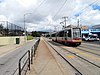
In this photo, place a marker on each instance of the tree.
(1, 30)
(35, 34)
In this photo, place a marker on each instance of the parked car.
(92, 37)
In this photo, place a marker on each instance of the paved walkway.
(9, 48)
(44, 63)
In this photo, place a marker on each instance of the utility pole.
(55, 27)
(25, 26)
(78, 25)
(62, 25)
(65, 20)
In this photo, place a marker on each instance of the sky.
(46, 15)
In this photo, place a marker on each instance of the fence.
(25, 61)
(10, 29)
(33, 49)
(28, 58)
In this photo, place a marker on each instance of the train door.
(69, 34)
(57, 35)
(65, 35)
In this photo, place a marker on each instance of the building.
(95, 29)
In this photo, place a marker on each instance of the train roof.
(64, 29)
(67, 28)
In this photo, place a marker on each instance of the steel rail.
(80, 57)
(88, 51)
(79, 73)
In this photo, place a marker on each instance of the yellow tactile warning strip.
(70, 56)
(82, 53)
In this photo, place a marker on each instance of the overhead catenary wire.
(58, 3)
(88, 13)
(44, 1)
(89, 5)
(82, 10)
(63, 3)
(60, 9)
(38, 6)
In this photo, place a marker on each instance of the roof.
(96, 26)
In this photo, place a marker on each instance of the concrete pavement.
(44, 63)
(9, 48)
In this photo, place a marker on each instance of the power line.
(87, 7)
(58, 3)
(81, 11)
(41, 3)
(60, 8)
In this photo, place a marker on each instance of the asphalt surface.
(92, 42)
(82, 64)
(9, 62)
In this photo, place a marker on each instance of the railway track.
(78, 56)
(95, 53)
(82, 58)
(78, 72)
(90, 47)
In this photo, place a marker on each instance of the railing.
(27, 58)
(33, 49)
(25, 61)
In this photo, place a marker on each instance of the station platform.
(44, 63)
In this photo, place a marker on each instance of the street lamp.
(25, 25)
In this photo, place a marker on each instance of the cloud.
(3, 18)
(43, 12)
(27, 3)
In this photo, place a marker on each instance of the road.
(9, 62)
(85, 58)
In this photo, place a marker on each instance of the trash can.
(17, 40)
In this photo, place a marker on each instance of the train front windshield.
(76, 33)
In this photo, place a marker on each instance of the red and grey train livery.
(68, 36)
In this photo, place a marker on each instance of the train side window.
(57, 34)
(61, 34)
(65, 35)
(53, 35)
(69, 33)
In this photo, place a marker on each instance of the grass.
(29, 37)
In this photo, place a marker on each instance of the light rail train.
(68, 36)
